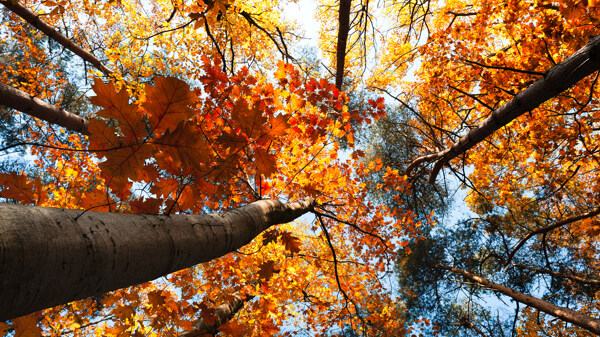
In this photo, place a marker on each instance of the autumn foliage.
(207, 106)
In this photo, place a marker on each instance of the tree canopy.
(305, 191)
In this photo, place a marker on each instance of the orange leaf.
(116, 106)
(3, 328)
(250, 120)
(266, 270)
(17, 187)
(168, 103)
(292, 243)
(184, 148)
(265, 162)
(156, 298)
(26, 326)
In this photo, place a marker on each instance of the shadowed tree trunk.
(50, 256)
(565, 314)
(342, 40)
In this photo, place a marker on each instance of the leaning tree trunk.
(565, 314)
(557, 79)
(50, 256)
(26, 103)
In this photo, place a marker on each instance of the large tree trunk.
(556, 80)
(50, 256)
(565, 314)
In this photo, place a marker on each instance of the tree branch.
(24, 102)
(548, 229)
(64, 41)
(565, 314)
(556, 80)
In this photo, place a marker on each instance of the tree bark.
(50, 256)
(342, 40)
(222, 314)
(24, 102)
(556, 80)
(64, 41)
(565, 314)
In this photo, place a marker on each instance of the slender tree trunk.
(565, 314)
(64, 41)
(24, 102)
(342, 40)
(50, 256)
(556, 80)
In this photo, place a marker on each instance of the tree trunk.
(24, 102)
(565, 314)
(50, 256)
(556, 80)
(342, 40)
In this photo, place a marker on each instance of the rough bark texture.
(342, 41)
(565, 314)
(35, 21)
(24, 102)
(556, 80)
(50, 256)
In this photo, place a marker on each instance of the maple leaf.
(266, 270)
(185, 147)
(279, 126)
(265, 162)
(250, 119)
(146, 205)
(291, 243)
(270, 236)
(156, 298)
(18, 187)
(124, 160)
(168, 102)
(26, 326)
(116, 106)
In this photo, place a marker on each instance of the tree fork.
(565, 314)
(51, 256)
(26, 103)
(556, 80)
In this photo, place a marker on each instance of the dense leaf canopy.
(194, 107)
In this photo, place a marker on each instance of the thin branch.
(548, 229)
